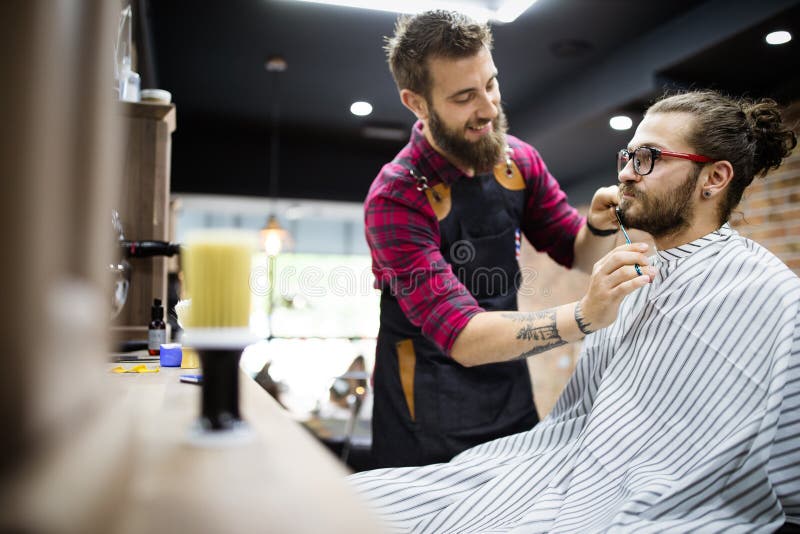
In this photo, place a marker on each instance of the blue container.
(171, 354)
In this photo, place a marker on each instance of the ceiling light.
(483, 11)
(621, 122)
(275, 64)
(778, 38)
(273, 236)
(362, 109)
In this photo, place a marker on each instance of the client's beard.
(661, 216)
(481, 155)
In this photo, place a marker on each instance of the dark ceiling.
(565, 67)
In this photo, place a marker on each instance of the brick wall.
(769, 214)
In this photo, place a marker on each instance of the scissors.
(627, 238)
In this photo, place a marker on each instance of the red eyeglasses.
(644, 158)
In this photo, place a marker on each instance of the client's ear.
(415, 102)
(720, 173)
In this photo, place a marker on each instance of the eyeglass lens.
(642, 160)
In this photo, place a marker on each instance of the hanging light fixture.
(273, 236)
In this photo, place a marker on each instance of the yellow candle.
(217, 275)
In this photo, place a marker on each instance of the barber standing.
(442, 222)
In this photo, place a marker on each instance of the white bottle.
(129, 82)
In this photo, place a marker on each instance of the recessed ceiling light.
(275, 64)
(778, 37)
(621, 122)
(485, 10)
(362, 109)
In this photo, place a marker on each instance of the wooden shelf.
(144, 204)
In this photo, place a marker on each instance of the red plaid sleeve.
(403, 235)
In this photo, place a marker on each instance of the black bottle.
(157, 331)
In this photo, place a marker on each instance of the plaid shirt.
(403, 234)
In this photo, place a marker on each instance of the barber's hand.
(613, 277)
(601, 212)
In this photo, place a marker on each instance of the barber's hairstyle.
(441, 34)
(749, 134)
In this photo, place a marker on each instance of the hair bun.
(772, 139)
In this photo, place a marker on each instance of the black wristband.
(600, 233)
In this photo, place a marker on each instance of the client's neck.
(695, 230)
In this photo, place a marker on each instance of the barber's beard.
(481, 155)
(668, 214)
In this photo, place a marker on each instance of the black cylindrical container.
(220, 398)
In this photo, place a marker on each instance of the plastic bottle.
(157, 331)
(129, 82)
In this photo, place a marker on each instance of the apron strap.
(406, 362)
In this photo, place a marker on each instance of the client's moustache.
(630, 191)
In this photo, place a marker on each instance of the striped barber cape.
(684, 415)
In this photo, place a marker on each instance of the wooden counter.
(283, 481)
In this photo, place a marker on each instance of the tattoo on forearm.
(583, 325)
(541, 348)
(539, 327)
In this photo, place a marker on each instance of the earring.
(707, 193)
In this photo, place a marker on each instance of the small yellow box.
(190, 360)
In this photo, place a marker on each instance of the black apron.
(427, 407)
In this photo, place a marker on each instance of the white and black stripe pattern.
(684, 415)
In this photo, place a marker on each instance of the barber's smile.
(482, 129)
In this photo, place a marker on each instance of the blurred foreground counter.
(282, 481)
